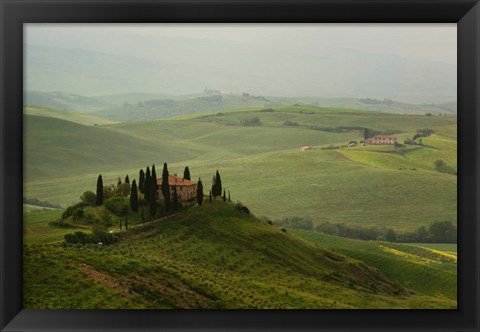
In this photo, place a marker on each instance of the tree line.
(436, 232)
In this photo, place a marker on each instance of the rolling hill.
(62, 100)
(77, 117)
(262, 165)
(213, 256)
(55, 148)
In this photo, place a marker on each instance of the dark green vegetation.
(437, 232)
(215, 256)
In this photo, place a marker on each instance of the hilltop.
(213, 256)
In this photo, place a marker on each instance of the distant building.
(381, 140)
(186, 189)
(305, 148)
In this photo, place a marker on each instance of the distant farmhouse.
(381, 140)
(186, 189)
(305, 148)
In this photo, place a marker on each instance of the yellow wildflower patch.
(451, 256)
(414, 258)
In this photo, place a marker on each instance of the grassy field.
(214, 256)
(63, 114)
(36, 228)
(262, 165)
(421, 269)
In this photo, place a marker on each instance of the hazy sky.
(419, 41)
(415, 62)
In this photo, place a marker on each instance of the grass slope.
(213, 256)
(262, 165)
(55, 148)
(77, 117)
(419, 269)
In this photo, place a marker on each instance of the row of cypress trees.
(148, 187)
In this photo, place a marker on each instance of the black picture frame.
(466, 13)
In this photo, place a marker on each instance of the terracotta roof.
(174, 180)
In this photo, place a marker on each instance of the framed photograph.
(305, 165)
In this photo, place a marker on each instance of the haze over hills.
(145, 107)
(269, 67)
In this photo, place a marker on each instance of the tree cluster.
(442, 167)
(251, 122)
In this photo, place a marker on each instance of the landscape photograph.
(240, 166)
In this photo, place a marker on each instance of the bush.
(442, 167)
(251, 122)
(70, 210)
(99, 234)
(78, 213)
(89, 198)
(442, 232)
(239, 206)
(290, 123)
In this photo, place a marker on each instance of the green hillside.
(213, 256)
(55, 148)
(424, 270)
(63, 114)
(261, 165)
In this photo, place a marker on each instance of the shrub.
(442, 167)
(99, 234)
(78, 213)
(70, 210)
(89, 198)
(251, 122)
(239, 206)
(290, 123)
(442, 232)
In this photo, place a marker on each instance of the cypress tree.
(141, 181)
(153, 193)
(127, 179)
(148, 184)
(175, 199)
(224, 196)
(99, 191)
(210, 197)
(134, 197)
(154, 178)
(217, 188)
(166, 188)
(119, 182)
(214, 185)
(229, 196)
(186, 173)
(199, 192)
